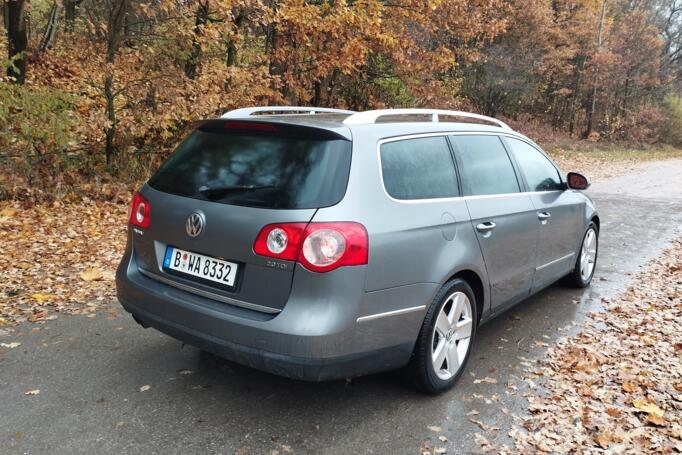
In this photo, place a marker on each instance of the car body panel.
(229, 234)
(509, 249)
(557, 235)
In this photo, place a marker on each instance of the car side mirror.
(577, 181)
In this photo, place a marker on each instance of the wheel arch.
(475, 281)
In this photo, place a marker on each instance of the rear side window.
(257, 170)
(540, 173)
(418, 168)
(486, 168)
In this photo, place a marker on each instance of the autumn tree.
(132, 76)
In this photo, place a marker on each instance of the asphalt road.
(90, 370)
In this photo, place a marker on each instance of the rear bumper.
(316, 337)
(306, 369)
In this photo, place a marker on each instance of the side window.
(540, 173)
(418, 168)
(486, 167)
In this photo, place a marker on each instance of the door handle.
(544, 215)
(485, 227)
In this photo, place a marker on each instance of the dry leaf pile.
(58, 258)
(594, 167)
(617, 384)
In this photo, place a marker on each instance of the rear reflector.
(319, 247)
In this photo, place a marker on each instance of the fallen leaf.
(604, 439)
(485, 380)
(144, 388)
(435, 428)
(482, 442)
(10, 345)
(480, 424)
(42, 298)
(649, 408)
(8, 212)
(656, 420)
(92, 274)
(185, 372)
(630, 386)
(613, 412)
(38, 314)
(32, 392)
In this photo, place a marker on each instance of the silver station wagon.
(321, 244)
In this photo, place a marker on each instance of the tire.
(579, 277)
(422, 368)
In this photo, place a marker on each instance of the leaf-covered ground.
(58, 258)
(616, 385)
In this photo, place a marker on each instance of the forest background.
(95, 93)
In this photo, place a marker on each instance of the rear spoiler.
(273, 128)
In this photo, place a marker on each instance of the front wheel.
(582, 273)
(445, 339)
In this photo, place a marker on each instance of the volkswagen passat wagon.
(321, 244)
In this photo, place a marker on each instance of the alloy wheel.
(588, 254)
(451, 335)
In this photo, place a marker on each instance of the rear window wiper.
(218, 192)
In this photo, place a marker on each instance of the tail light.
(139, 211)
(281, 241)
(319, 247)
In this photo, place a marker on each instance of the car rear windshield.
(257, 169)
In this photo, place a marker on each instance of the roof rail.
(279, 110)
(362, 118)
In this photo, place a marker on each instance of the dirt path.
(649, 179)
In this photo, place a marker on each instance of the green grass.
(612, 152)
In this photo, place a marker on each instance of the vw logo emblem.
(195, 224)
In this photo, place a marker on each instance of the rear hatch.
(237, 177)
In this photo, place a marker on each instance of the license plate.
(200, 266)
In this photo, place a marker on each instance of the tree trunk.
(70, 14)
(201, 18)
(624, 105)
(593, 103)
(231, 54)
(16, 25)
(276, 68)
(51, 29)
(231, 47)
(331, 88)
(317, 93)
(574, 96)
(110, 131)
(114, 29)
